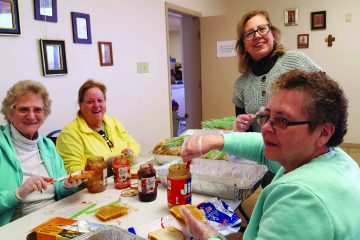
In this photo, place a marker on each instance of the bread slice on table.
(109, 212)
(168, 233)
(177, 213)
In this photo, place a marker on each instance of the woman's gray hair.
(21, 88)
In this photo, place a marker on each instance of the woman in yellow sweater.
(92, 132)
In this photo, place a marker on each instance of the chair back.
(53, 135)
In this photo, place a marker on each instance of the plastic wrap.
(224, 179)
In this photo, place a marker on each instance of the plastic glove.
(33, 183)
(196, 228)
(130, 155)
(195, 146)
(71, 183)
(243, 122)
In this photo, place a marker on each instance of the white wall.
(341, 61)
(137, 30)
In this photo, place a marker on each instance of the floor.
(248, 206)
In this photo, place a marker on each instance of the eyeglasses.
(261, 29)
(279, 123)
(23, 110)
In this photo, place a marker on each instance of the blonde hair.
(21, 88)
(244, 57)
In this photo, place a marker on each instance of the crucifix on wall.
(330, 39)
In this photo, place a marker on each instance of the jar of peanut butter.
(178, 185)
(97, 183)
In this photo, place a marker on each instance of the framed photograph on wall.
(45, 10)
(303, 41)
(53, 57)
(291, 17)
(318, 20)
(105, 54)
(81, 27)
(9, 17)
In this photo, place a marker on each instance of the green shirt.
(319, 200)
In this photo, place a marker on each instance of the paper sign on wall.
(226, 48)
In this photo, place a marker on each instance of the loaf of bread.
(109, 212)
(177, 213)
(168, 233)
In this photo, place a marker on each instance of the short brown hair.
(86, 86)
(244, 57)
(21, 88)
(327, 102)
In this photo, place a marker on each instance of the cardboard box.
(59, 228)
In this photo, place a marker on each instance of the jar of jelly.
(178, 185)
(97, 183)
(147, 184)
(121, 170)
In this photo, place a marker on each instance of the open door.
(192, 70)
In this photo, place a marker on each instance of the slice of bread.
(168, 233)
(82, 175)
(109, 212)
(177, 213)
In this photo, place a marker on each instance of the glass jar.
(178, 185)
(121, 170)
(97, 183)
(147, 184)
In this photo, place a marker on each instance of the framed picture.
(303, 40)
(9, 17)
(291, 17)
(45, 10)
(53, 57)
(81, 27)
(318, 20)
(105, 54)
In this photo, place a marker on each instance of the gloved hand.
(70, 182)
(196, 228)
(130, 155)
(197, 145)
(33, 183)
(243, 122)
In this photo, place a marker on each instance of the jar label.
(147, 185)
(104, 176)
(179, 191)
(122, 174)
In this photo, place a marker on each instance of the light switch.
(142, 67)
(348, 17)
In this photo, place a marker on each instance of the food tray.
(163, 159)
(224, 179)
(109, 233)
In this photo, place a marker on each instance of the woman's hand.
(70, 182)
(195, 146)
(196, 228)
(243, 122)
(33, 183)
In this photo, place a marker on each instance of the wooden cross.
(330, 39)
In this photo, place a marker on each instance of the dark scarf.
(264, 65)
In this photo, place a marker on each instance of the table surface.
(139, 214)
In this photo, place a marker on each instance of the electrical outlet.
(142, 67)
(348, 17)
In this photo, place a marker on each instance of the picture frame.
(318, 20)
(81, 27)
(105, 54)
(291, 17)
(53, 57)
(9, 17)
(303, 41)
(45, 10)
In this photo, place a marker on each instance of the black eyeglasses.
(261, 29)
(107, 140)
(279, 123)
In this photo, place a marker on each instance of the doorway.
(184, 68)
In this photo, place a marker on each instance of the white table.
(139, 213)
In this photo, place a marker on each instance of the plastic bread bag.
(221, 216)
